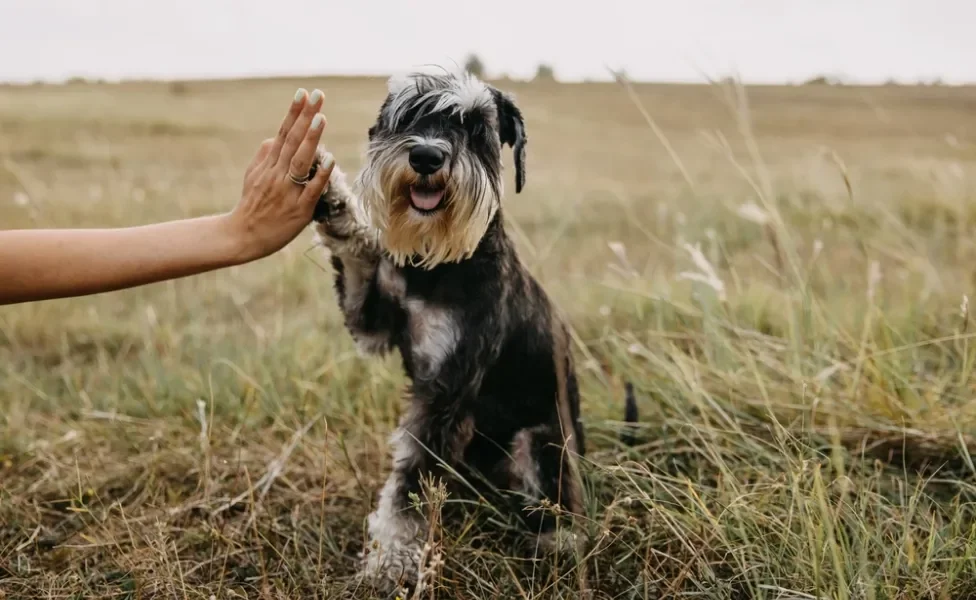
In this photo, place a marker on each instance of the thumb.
(263, 150)
(316, 187)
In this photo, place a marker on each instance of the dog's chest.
(433, 330)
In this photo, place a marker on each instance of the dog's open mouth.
(426, 198)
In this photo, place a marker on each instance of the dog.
(423, 266)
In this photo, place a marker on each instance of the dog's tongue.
(426, 200)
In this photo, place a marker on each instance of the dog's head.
(432, 180)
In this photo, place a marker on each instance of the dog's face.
(432, 180)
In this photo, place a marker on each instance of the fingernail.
(328, 162)
(317, 121)
(316, 96)
(299, 95)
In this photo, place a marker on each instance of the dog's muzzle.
(426, 160)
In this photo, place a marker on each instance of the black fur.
(512, 133)
(503, 373)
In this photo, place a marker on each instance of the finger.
(301, 163)
(294, 111)
(316, 187)
(299, 129)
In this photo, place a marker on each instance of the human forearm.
(61, 263)
(277, 202)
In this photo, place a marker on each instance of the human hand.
(274, 209)
(61, 263)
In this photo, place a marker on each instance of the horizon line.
(831, 80)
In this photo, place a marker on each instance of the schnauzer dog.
(423, 266)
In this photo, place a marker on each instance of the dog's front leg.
(341, 226)
(397, 529)
(392, 557)
(446, 378)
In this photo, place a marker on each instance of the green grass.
(806, 398)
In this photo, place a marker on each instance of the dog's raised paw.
(335, 196)
(339, 221)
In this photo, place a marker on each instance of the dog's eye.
(454, 120)
(471, 123)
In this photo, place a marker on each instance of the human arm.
(273, 210)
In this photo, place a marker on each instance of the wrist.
(232, 239)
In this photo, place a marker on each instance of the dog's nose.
(426, 159)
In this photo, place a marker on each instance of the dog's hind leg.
(544, 457)
(544, 472)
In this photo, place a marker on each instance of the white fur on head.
(458, 90)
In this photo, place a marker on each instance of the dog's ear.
(511, 131)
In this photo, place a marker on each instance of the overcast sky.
(762, 40)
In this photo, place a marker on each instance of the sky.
(761, 41)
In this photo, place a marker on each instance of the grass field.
(782, 272)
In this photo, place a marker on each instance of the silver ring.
(301, 181)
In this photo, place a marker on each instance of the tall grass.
(783, 275)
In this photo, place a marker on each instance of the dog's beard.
(426, 238)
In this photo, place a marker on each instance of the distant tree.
(825, 80)
(545, 73)
(178, 88)
(620, 75)
(474, 66)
